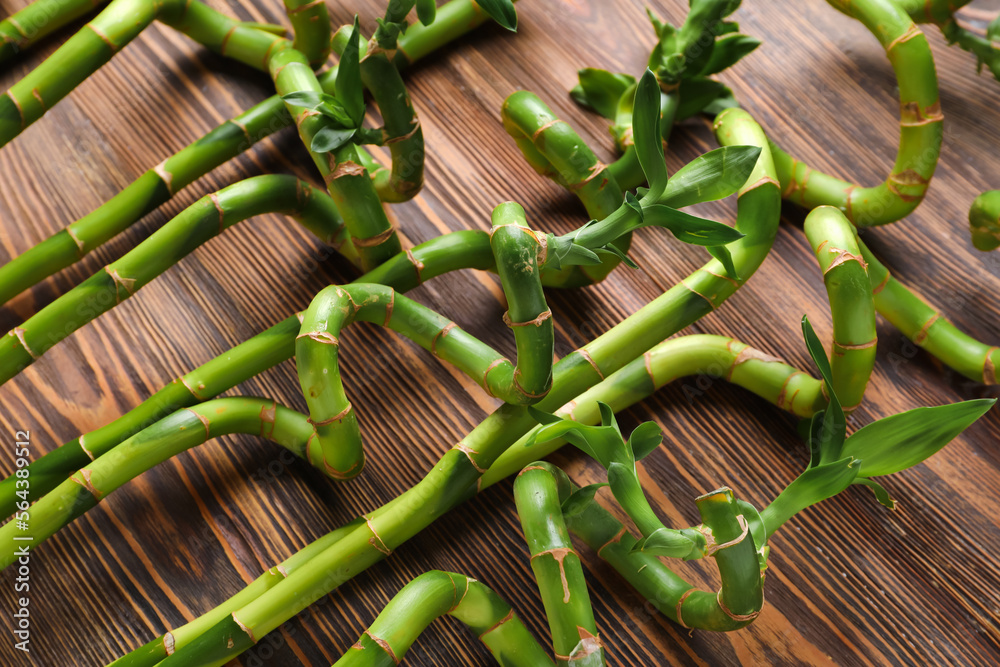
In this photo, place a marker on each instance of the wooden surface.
(849, 582)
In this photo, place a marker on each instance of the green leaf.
(350, 92)
(306, 98)
(725, 101)
(634, 204)
(608, 417)
(543, 417)
(330, 138)
(727, 51)
(426, 11)
(993, 30)
(902, 441)
(830, 437)
(580, 500)
(671, 543)
(646, 437)
(722, 254)
(646, 132)
(501, 11)
(758, 531)
(812, 486)
(600, 90)
(335, 111)
(881, 495)
(696, 94)
(728, 27)
(689, 228)
(714, 175)
(615, 251)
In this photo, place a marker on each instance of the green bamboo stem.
(200, 222)
(110, 31)
(26, 27)
(984, 221)
(519, 254)
(680, 306)
(459, 470)
(401, 130)
(450, 252)
(695, 355)
(852, 357)
(311, 27)
(557, 567)
(920, 128)
(317, 351)
(555, 150)
(225, 142)
(927, 328)
(346, 179)
(170, 436)
(431, 596)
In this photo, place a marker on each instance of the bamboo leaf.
(306, 98)
(669, 543)
(330, 138)
(335, 111)
(727, 51)
(993, 30)
(696, 94)
(426, 11)
(615, 251)
(721, 253)
(724, 101)
(689, 228)
(646, 437)
(902, 441)
(501, 11)
(812, 486)
(350, 92)
(714, 175)
(881, 495)
(580, 500)
(601, 90)
(830, 437)
(646, 131)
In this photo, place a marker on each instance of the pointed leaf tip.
(501, 11)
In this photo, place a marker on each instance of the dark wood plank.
(849, 583)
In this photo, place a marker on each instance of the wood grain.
(849, 582)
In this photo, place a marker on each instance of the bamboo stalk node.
(750, 354)
(680, 603)
(126, 283)
(19, 332)
(536, 322)
(244, 628)
(736, 617)
(844, 256)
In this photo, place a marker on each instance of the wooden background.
(849, 582)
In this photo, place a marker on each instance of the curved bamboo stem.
(984, 221)
(433, 595)
(834, 241)
(200, 222)
(919, 127)
(223, 143)
(168, 437)
(311, 27)
(927, 328)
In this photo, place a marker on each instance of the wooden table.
(849, 582)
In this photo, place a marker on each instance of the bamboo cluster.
(546, 403)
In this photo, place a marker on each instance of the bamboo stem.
(435, 594)
(834, 241)
(984, 221)
(223, 143)
(24, 28)
(920, 128)
(557, 567)
(311, 27)
(200, 222)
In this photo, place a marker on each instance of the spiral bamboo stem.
(433, 595)
(834, 241)
(919, 126)
(200, 222)
(161, 183)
